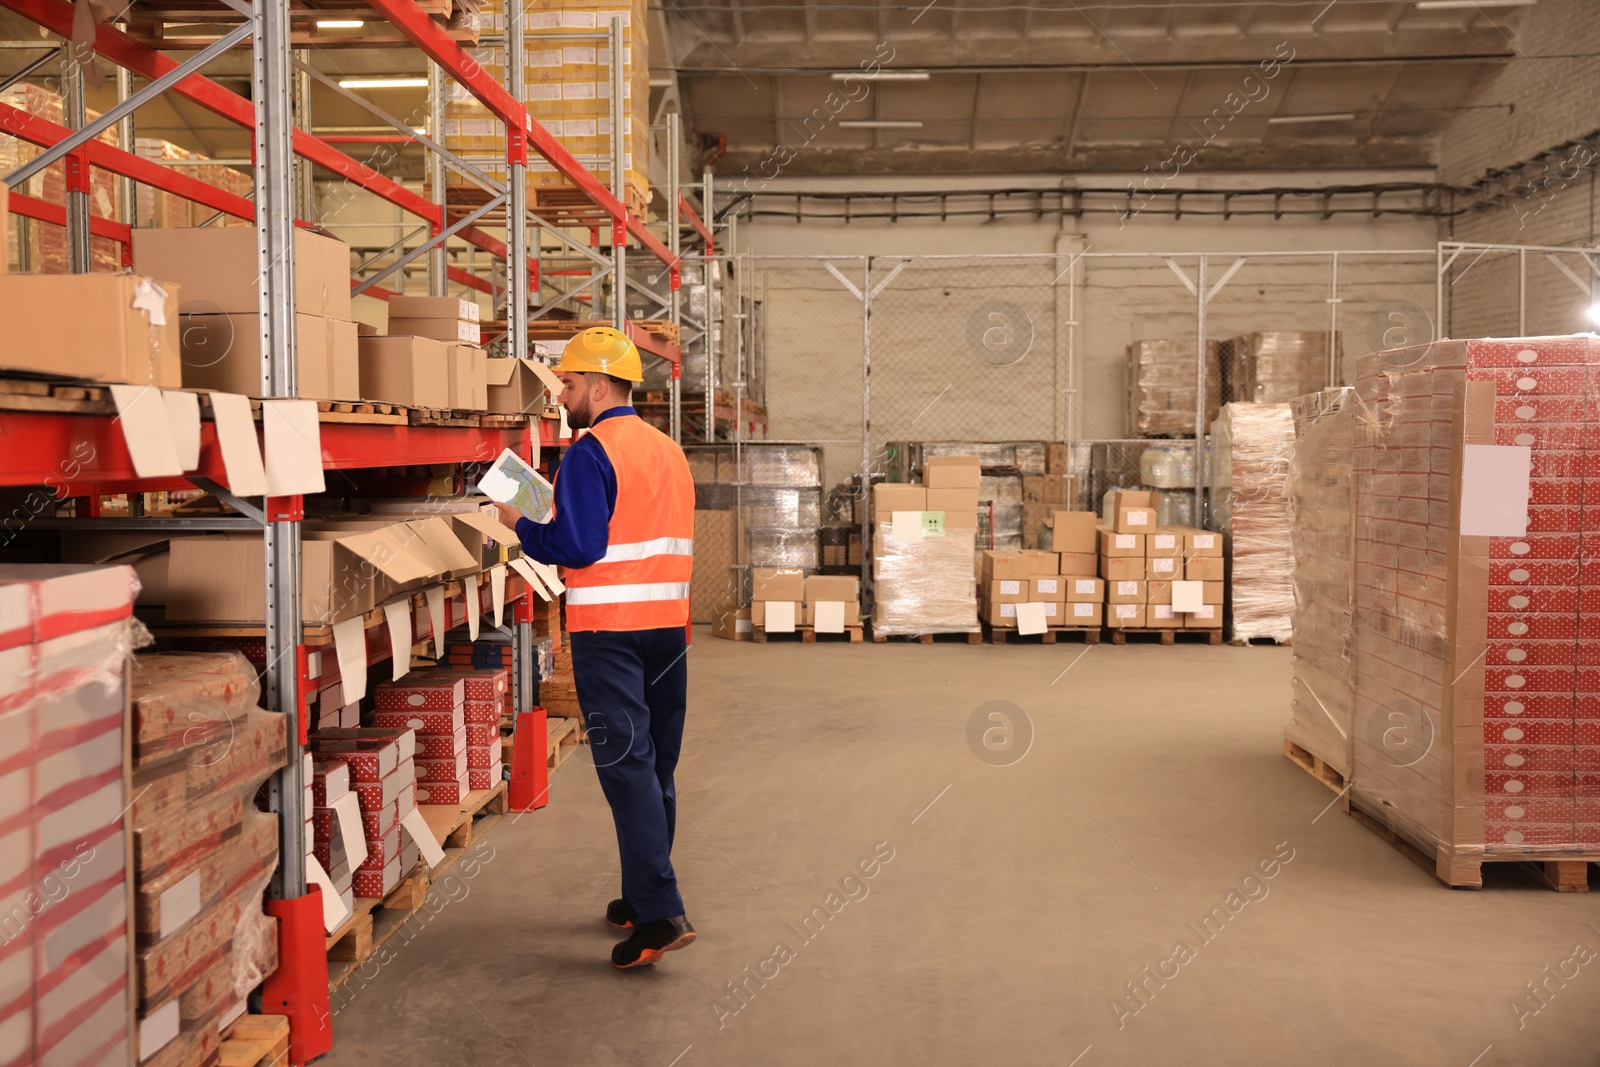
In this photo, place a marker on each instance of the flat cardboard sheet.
(398, 614)
(497, 590)
(907, 526)
(241, 449)
(293, 447)
(1030, 618)
(522, 567)
(780, 617)
(547, 574)
(469, 588)
(350, 645)
(417, 827)
(333, 910)
(830, 617)
(436, 617)
(142, 414)
(1494, 490)
(183, 420)
(1187, 597)
(351, 831)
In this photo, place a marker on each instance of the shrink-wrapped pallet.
(1322, 512)
(1275, 367)
(923, 585)
(1252, 444)
(1161, 386)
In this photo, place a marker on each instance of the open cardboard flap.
(488, 525)
(451, 556)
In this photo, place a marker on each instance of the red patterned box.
(442, 746)
(379, 821)
(487, 778)
(442, 792)
(376, 884)
(482, 734)
(382, 849)
(490, 683)
(445, 722)
(483, 712)
(433, 771)
(376, 795)
(424, 693)
(330, 780)
(479, 758)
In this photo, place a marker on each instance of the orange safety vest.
(642, 582)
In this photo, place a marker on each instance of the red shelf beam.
(649, 342)
(44, 211)
(687, 212)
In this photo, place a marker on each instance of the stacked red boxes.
(434, 707)
(488, 693)
(64, 648)
(330, 781)
(1502, 625)
(331, 711)
(381, 764)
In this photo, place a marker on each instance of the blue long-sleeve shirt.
(586, 496)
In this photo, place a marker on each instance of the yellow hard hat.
(602, 350)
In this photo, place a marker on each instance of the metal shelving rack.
(44, 438)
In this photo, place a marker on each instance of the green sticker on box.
(933, 524)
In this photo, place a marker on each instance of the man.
(623, 527)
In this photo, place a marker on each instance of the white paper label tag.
(348, 811)
(1494, 490)
(1127, 588)
(180, 903)
(1083, 610)
(1126, 540)
(333, 909)
(292, 439)
(437, 619)
(1009, 588)
(241, 449)
(830, 617)
(1049, 585)
(183, 422)
(350, 645)
(547, 574)
(780, 617)
(1138, 518)
(151, 299)
(1206, 611)
(1030, 618)
(1127, 611)
(1085, 585)
(1206, 541)
(1187, 596)
(1164, 565)
(497, 590)
(1165, 540)
(469, 589)
(416, 827)
(142, 414)
(907, 526)
(529, 575)
(397, 613)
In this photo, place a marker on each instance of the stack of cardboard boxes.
(833, 603)
(218, 283)
(202, 851)
(1013, 580)
(924, 549)
(330, 786)
(434, 707)
(1158, 577)
(383, 774)
(1045, 494)
(429, 357)
(487, 697)
(777, 598)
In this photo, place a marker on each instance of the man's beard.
(578, 417)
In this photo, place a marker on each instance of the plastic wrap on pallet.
(763, 506)
(1252, 444)
(544, 652)
(1322, 533)
(1161, 386)
(1275, 367)
(1476, 670)
(783, 546)
(186, 701)
(789, 466)
(1030, 457)
(1168, 465)
(923, 586)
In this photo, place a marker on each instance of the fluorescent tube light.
(1293, 120)
(880, 124)
(1445, 5)
(383, 83)
(340, 24)
(884, 76)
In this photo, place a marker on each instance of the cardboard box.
(436, 771)
(890, 497)
(1205, 569)
(832, 587)
(1084, 563)
(952, 500)
(1005, 590)
(1135, 520)
(731, 622)
(520, 386)
(1004, 615)
(1080, 613)
(1045, 564)
(223, 353)
(1123, 568)
(216, 269)
(429, 692)
(444, 746)
(433, 307)
(1126, 592)
(1047, 589)
(1164, 542)
(1200, 543)
(450, 331)
(768, 583)
(410, 371)
(1158, 592)
(1121, 544)
(1209, 617)
(942, 475)
(1055, 458)
(431, 539)
(1125, 616)
(852, 613)
(344, 360)
(998, 564)
(447, 721)
(955, 520)
(5, 228)
(469, 378)
(1162, 617)
(1163, 568)
(1074, 531)
(86, 326)
(1081, 590)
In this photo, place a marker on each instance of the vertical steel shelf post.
(675, 272)
(619, 188)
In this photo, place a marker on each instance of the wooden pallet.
(320, 634)
(1315, 766)
(561, 205)
(1119, 635)
(971, 637)
(1565, 873)
(665, 329)
(563, 735)
(999, 635)
(255, 1041)
(807, 635)
(67, 398)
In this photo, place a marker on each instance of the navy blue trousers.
(633, 687)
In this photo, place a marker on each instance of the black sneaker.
(650, 941)
(620, 913)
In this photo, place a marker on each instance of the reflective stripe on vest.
(627, 594)
(642, 581)
(660, 546)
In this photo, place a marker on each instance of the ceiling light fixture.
(883, 75)
(880, 124)
(1594, 315)
(340, 24)
(1445, 5)
(1294, 120)
(383, 83)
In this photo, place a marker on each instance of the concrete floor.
(1019, 900)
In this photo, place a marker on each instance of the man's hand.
(506, 513)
